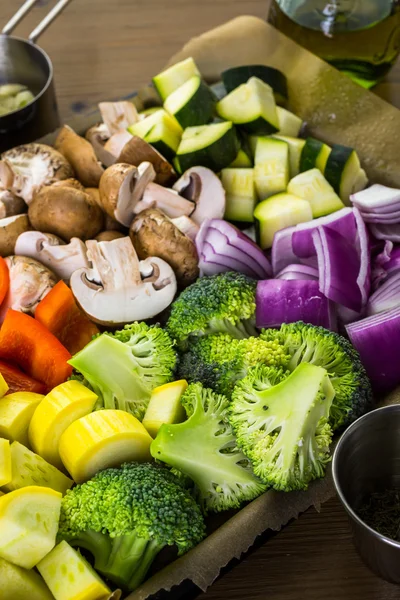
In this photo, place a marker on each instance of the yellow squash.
(62, 406)
(5, 462)
(3, 386)
(19, 584)
(106, 438)
(16, 412)
(165, 406)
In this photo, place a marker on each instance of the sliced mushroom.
(118, 115)
(137, 151)
(98, 135)
(11, 205)
(63, 259)
(25, 169)
(119, 289)
(153, 234)
(121, 187)
(187, 226)
(67, 211)
(108, 236)
(203, 187)
(166, 200)
(10, 229)
(116, 143)
(79, 152)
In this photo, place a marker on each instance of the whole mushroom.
(80, 154)
(10, 229)
(204, 188)
(11, 205)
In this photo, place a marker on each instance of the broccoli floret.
(221, 303)
(324, 348)
(280, 420)
(218, 361)
(204, 448)
(125, 516)
(124, 367)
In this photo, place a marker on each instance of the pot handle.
(43, 25)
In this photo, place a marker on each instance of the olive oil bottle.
(360, 37)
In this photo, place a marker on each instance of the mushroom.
(119, 289)
(79, 152)
(153, 234)
(137, 151)
(66, 210)
(166, 200)
(98, 135)
(10, 229)
(186, 226)
(121, 187)
(116, 143)
(30, 281)
(108, 236)
(25, 169)
(203, 187)
(118, 115)
(63, 259)
(11, 205)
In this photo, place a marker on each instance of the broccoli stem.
(151, 551)
(95, 542)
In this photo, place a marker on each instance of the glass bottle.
(361, 37)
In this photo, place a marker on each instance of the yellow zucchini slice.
(165, 406)
(5, 462)
(19, 584)
(3, 386)
(16, 412)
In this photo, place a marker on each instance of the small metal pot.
(22, 61)
(367, 460)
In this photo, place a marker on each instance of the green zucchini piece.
(276, 213)
(143, 127)
(149, 111)
(289, 123)
(252, 107)
(161, 130)
(344, 173)
(242, 160)
(214, 146)
(313, 187)
(240, 194)
(315, 155)
(219, 90)
(296, 146)
(191, 104)
(235, 76)
(253, 139)
(271, 171)
(171, 79)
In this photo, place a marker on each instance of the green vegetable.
(271, 171)
(314, 155)
(344, 172)
(191, 104)
(14, 96)
(123, 367)
(240, 194)
(125, 516)
(235, 76)
(289, 123)
(171, 79)
(242, 160)
(204, 448)
(313, 187)
(295, 149)
(221, 303)
(280, 421)
(161, 130)
(19, 584)
(323, 348)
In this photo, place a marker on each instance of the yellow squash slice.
(62, 406)
(28, 524)
(106, 438)
(3, 386)
(19, 584)
(16, 412)
(5, 462)
(165, 406)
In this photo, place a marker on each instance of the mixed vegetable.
(178, 290)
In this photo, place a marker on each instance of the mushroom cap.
(98, 135)
(80, 153)
(66, 211)
(116, 143)
(11, 205)
(153, 234)
(137, 151)
(25, 169)
(10, 229)
(202, 186)
(108, 236)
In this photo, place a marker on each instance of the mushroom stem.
(118, 115)
(106, 257)
(166, 200)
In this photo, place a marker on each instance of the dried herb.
(381, 511)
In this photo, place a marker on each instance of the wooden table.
(106, 49)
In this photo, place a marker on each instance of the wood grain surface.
(104, 49)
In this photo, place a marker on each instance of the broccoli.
(221, 303)
(280, 420)
(125, 516)
(123, 367)
(204, 448)
(218, 361)
(324, 348)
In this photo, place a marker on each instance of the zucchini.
(314, 155)
(142, 128)
(242, 160)
(149, 111)
(214, 146)
(289, 123)
(235, 76)
(192, 103)
(253, 139)
(344, 173)
(296, 146)
(161, 130)
(171, 79)
(313, 187)
(219, 90)
(240, 194)
(271, 171)
(279, 212)
(252, 107)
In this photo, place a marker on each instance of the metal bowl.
(367, 460)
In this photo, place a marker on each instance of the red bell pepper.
(18, 381)
(59, 312)
(26, 342)
(4, 279)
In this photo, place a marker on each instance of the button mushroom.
(63, 259)
(25, 169)
(166, 200)
(98, 135)
(108, 236)
(116, 144)
(11, 205)
(121, 187)
(203, 187)
(153, 234)
(186, 226)
(79, 152)
(136, 151)
(66, 210)
(10, 229)
(119, 289)
(118, 115)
